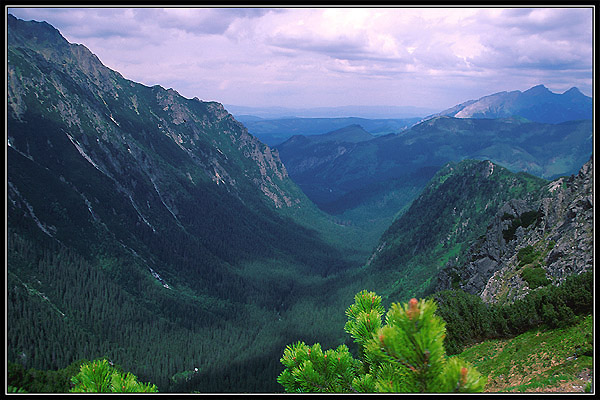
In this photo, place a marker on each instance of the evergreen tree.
(100, 376)
(406, 354)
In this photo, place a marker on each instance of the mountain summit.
(537, 104)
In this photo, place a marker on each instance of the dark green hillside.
(152, 229)
(367, 183)
(557, 361)
(351, 134)
(453, 210)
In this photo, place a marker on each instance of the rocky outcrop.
(114, 122)
(554, 228)
(569, 223)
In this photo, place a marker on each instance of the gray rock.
(562, 234)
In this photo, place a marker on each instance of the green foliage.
(364, 317)
(406, 354)
(100, 376)
(12, 389)
(468, 319)
(529, 217)
(527, 255)
(524, 220)
(39, 381)
(309, 367)
(535, 277)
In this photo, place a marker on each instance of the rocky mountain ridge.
(114, 168)
(446, 217)
(78, 89)
(149, 228)
(536, 104)
(549, 237)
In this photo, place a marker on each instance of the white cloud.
(333, 56)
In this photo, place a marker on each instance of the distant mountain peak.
(351, 132)
(537, 104)
(574, 91)
(538, 89)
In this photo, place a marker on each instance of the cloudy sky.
(314, 57)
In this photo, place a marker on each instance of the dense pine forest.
(173, 334)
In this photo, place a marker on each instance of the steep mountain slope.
(147, 227)
(536, 104)
(530, 243)
(173, 165)
(453, 210)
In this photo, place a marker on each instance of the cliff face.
(113, 121)
(550, 237)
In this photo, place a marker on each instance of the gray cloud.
(214, 21)
(85, 22)
(301, 56)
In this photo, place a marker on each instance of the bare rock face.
(555, 227)
(570, 225)
(114, 122)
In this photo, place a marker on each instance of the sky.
(304, 57)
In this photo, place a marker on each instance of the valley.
(190, 247)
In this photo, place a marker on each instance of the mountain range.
(366, 183)
(537, 104)
(276, 131)
(158, 232)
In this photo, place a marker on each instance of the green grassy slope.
(556, 360)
